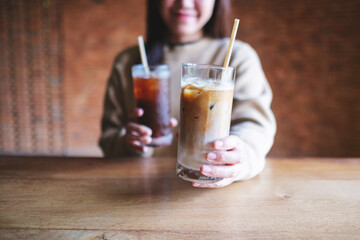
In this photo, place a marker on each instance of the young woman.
(193, 31)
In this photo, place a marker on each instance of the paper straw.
(231, 43)
(143, 55)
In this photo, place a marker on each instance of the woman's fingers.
(225, 157)
(137, 146)
(137, 112)
(224, 171)
(137, 136)
(138, 129)
(228, 143)
(220, 184)
(229, 150)
(141, 139)
(226, 161)
(173, 122)
(137, 143)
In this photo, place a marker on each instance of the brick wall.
(95, 31)
(31, 78)
(309, 51)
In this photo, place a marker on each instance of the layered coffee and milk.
(205, 117)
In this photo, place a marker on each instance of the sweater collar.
(174, 47)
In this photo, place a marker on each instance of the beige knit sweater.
(252, 118)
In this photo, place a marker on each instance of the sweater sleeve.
(113, 120)
(252, 117)
(118, 102)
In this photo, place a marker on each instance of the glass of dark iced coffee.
(152, 94)
(205, 115)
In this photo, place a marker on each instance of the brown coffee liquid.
(152, 95)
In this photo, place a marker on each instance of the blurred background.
(56, 56)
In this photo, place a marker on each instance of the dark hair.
(217, 27)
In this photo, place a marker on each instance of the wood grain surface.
(93, 198)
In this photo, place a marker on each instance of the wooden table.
(85, 198)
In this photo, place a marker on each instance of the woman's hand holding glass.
(138, 136)
(225, 161)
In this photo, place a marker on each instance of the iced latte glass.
(205, 115)
(152, 95)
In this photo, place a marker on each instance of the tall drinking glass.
(152, 95)
(205, 115)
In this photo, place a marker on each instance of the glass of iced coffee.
(205, 115)
(151, 90)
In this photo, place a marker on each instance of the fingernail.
(146, 133)
(206, 169)
(219, 144)
(146, 139)
(211, 156)
(196, 184)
